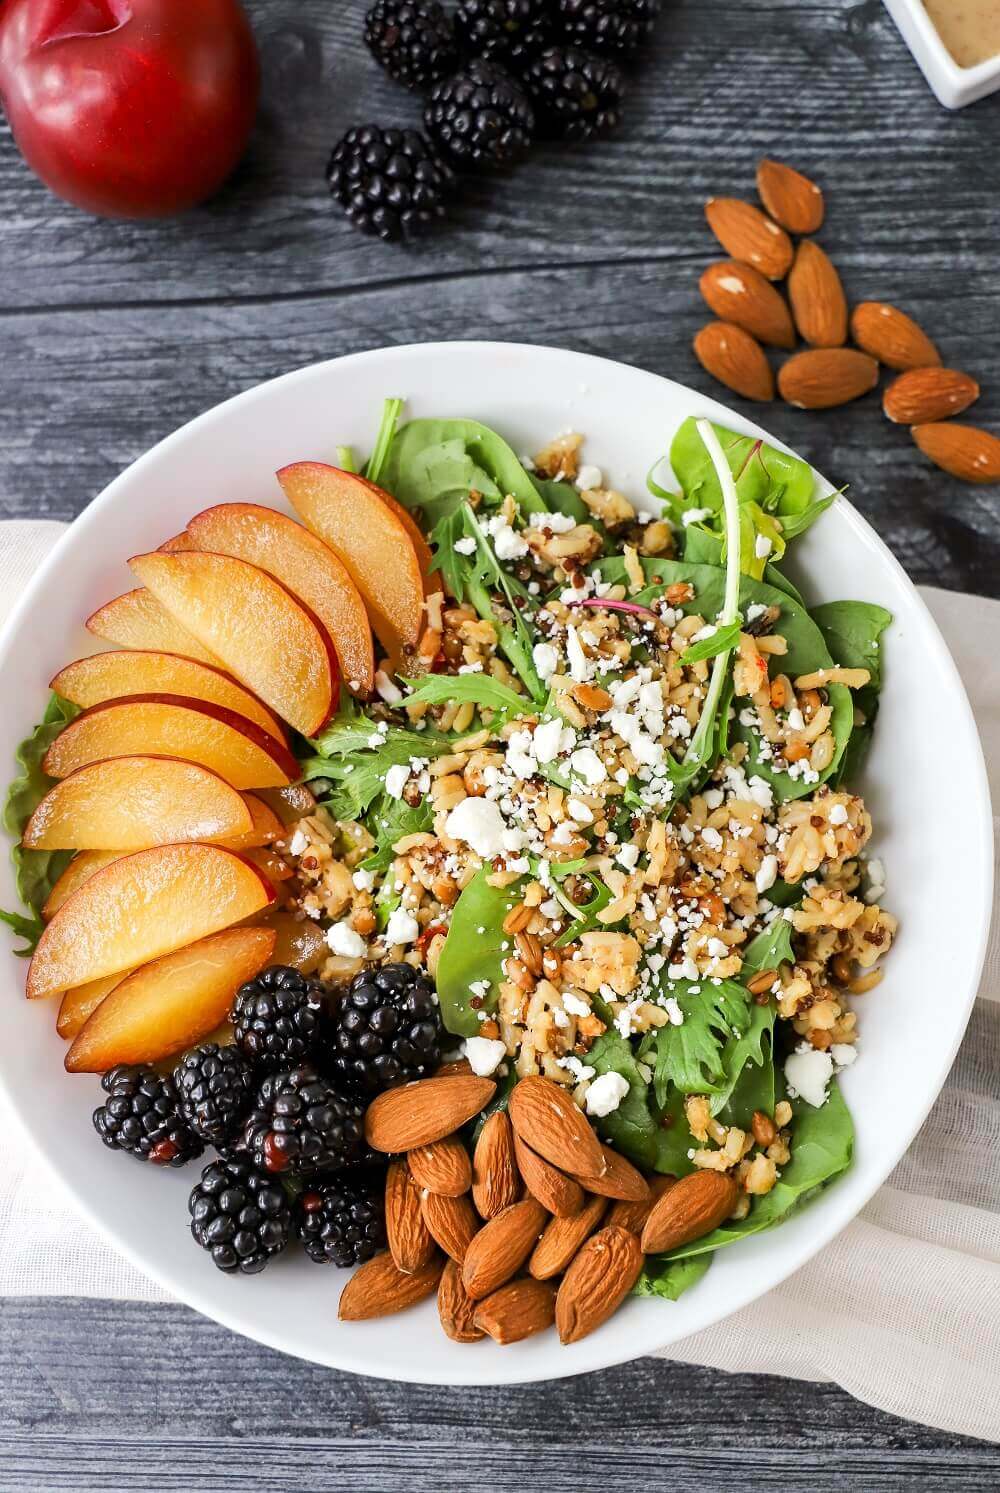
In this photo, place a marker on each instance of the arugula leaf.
(583, 914)
(480, 689)
(690, 1056)
(514, 637)
(669, 1279)
(751, 1079)
(474, 950)
(449, 562)
(357, 768)
(30, 929)
(391, 411)
(35, 871)
(822, 1148)
(435, 464)
(722, 640)
(389, 820)
(771, 947)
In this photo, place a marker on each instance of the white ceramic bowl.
(925, 783)
(955, 86)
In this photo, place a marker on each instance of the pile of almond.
(753, 314)
(541, 1224)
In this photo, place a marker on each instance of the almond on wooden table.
(620, 1179)
(824, 377)
(419, 1113)
(563, 1237)
(741, 295)
(496, 1181)
(892, 337)
(556, 1192)
(456, 1307)
(964, 451)
(501, 1247)
(378, 1288)
(791, 198)
(516, 1311)
(597, 1282)
(733, 357)
(692, 1208)
(452, 1222)
(749, 235)
(923, 395)
(442, 1167)
(819, 304)
(547, 1120)
(409, 1238)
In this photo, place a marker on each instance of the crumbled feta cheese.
(479, 823)
(466, 545)
(587, 765)
(754, 610)
(507, 544)
(395, 779)
(807, 1073)
(674, 1011)
(574, 1005)
(713, 798)
(389, 692)
(768, 873)
(521, 759)
(363, 880)
(342, 939)
(843, 1054)
(546, 660)
(628, 856)
(695, 516)
(716, 949)
(606, 1093)
(556, 523)
(402, 927)
(485, 1054)
(579, 811)
(712, 838)
(580, 1071)
(838, 814)
(589, 478)
(298, 843)
(762, 547)
(551, 739)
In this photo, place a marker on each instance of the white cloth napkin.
(902, 1309)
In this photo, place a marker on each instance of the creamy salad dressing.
(970, 29)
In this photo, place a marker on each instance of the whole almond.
(424, 1111)
(826, 376)
(733, 357)
(597, 1282)
(556, 1192)
(378, 1288)
(456, 1069)
(747, 234)
(791, 198)
(456, 1307)
(452, 1222)
(963, 450)
(892, 337)
(817, 296)
(694, 1207)
(501, 1247)
(620, 1179)
(516, 1311)
(632, 1216)
(741, 295)
(924, 395)
(410, 1242)
(562, 1238)
(547, 1120)
(496, 1181)
(443, 1167)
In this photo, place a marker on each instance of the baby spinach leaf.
(778, 483)
(435, 464)
(669, 1279)
(722, 639)
(480, 689)
(474, 950)
(634, 1128)
(822, 1147)
(853, 633)
(562, 497)
(703, 547)
(35, 871)
(690, 1056)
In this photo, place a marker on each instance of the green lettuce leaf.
(474, 950)
(689, 1057)
(35, 871)
(669, 1279)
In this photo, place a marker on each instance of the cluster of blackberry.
(496, 75)
(284, 1108)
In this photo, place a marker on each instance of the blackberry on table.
(616, 27)
(301, 1125)
(279, 1018)
(142, 1116)
(480, 118)
(391, 183)
(240, 1215)
(215, 1087)
(576, 95)
(340, 1220)
(387, 1030)
(414, 40)
(505, 31)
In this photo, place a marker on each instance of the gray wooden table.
(114, 334)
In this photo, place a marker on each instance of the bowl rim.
(843, 1205)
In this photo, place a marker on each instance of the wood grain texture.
(113, 334)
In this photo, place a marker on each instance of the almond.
(452, 1222)
(819, 304)
(963, 450)
(501, 1247)
(826, 376)
(379, 1288)
(747, 234)
(562, 1238)
(443, 1167)
(737, 293)
(923, 395)
(457, 1069)
(410, 1242)
(620, 1179)
(791, 198)
(694, 1207)
(424, 1111)
(496, 1181)
(632, 1216)
(456, 1307)
(547, 1120)
(597, 1282)
(733, 357)
(892, 337)
(555, 1191)
(517, 1311)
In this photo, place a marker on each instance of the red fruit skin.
(129, 108)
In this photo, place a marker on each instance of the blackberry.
(301, 1125)
(506, 31)
(279, 1018)
(215, 1087)
(616, 27)
(341, 1220)
(480, 118)
(240, 1215)
(412, 39)
(577, 96)
(387, 1030)
(142, 1116)
(392, 184)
